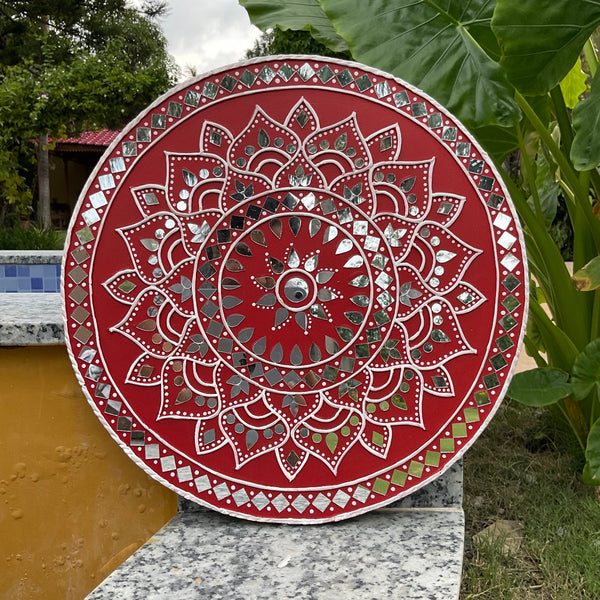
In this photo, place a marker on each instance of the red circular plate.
(294, 289)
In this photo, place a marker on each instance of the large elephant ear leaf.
(302, 15)
(585, 151)
(434, 49)
(540, 387)
(541, 40)
(586, 370)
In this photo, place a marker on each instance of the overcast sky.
(206, 34)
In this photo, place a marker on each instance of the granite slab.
(404, 554)
(30, 257)
(30, 319)
(446, 491)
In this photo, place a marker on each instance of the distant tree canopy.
(67, 66)
(289, 41)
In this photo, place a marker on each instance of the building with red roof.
(71, 162)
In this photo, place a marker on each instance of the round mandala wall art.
(294, 289)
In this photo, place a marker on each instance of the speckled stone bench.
(411, 550)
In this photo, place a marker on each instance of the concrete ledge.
(404, 554)
(30, 319)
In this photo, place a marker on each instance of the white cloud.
(207, 34)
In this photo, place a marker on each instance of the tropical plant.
(515, 72)
(32, 237)
(67, 66)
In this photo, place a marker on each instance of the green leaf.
(301, 14)
(547, 186)
(585, 152)
(591, 471)
(560, 348)
(540, 387)
(433, 49)
(574, 84)
(498, 142)
(586, 370)
(588, 277)
(540, 40)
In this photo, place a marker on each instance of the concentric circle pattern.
(294, 289)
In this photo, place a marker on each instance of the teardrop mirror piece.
(245, 334)
(231, 302)
(293, 259)
(354, 262)
(330, 234)
(301, 320)
(316, 310)
(313, 227)
(295, 224)
(325, 295)
(277, 265)
(296, 356)
(354, 317)
(311, 263)
(243, 249)
(408, 184)
(267, 282)
(361, 301)
(315, 353)
(260, 346)
(150, 244)
(267, 300)
(345, 333)
(324, 276)
(258, 237)
(344, 246)
(276, 227)
(331, 345)
(263, 138)
(235, 320)
(360, 281)
(281, 315)
(341, 142)
(277, 353)
(229, 283)
(233, 265)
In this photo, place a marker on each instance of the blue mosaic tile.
(23, 284)
(44, 278)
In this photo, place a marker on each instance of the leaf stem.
(570, 422)
(581, 194)
(533, 351)
(529, 174)
(561, 160)
(590, 56)
(595, 325)
(562, 117)
(595, 177)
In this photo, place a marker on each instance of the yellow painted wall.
(73, 506)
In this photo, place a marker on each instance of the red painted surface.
(295, 290)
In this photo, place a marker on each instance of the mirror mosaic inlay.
(294, 289)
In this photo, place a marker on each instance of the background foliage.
(67, 66)
(518, 74)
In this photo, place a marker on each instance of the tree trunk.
(43, 207)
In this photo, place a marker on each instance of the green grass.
(525, 468)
